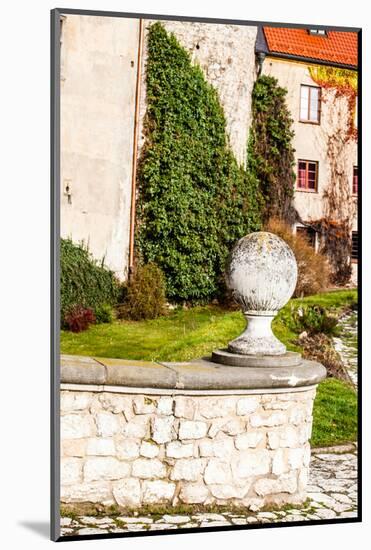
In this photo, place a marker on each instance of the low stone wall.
(130, 448)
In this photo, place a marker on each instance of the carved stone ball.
(262, 273)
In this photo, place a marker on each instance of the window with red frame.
(310, 104)
(355, 180)
(307, 175)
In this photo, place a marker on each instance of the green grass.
(187, 334)
(184, 334)
(334, 414)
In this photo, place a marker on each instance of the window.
(308, 233)
(355, 180)
(307, 175)
(354, 245)
(310, 104)
(317, 32)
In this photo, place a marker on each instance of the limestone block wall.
(226, 55)
(139, 449)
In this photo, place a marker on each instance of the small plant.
(313, 268)
(84, 281)
(145, 297)
(104, 314)
(311, 319)
(79, 318)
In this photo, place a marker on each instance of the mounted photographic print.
(205, 263)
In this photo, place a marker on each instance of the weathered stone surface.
(193, 493)
(107, 424)
(157, 491)
(268, 419)
(192, 429)
(234, 426)
(116, 403)
(165, 405)
(295, 458)
(284, 484)
(105, 468)
(217, 471)
(280, 463)
(215, 408)
(100, 447)
(77, 426)
(73, 447)
(149, 450)
(127, 448)
(176, 449)
(184, 408)
(71, 470)
(221, 448)
(226, 491)
(247, 405)
(143, 405)
(75, 401)
(146, 468)
(249, 440)
(127, 492)
(283, 437)
(98, 491)
(162, 429)
(189, 469)
(251, 463)
(137, 427)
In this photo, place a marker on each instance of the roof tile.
(337, 47)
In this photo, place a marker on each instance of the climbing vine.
(339, 209)
(344, 83)
(270, 151)
(194, 199)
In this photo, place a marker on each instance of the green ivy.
(270, 152)
(194, 199)
(84, 282)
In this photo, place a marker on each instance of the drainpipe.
(260, 56)
(135, 151)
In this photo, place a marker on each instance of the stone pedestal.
(138, 433)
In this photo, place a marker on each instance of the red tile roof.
(337, 47)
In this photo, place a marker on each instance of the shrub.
(313, 268)
(78, 318)
(311, 319)
(104, 314)
(145, 297)
(84, 282)
(194, 199)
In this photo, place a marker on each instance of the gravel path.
(347, 344)
(332, 492)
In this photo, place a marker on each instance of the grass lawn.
(188, 334)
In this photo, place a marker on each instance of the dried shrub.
(145, 297)
(78, 318)
(319, 348)
(313, 268)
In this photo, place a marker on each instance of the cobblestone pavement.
(332, 493)
(346, 345)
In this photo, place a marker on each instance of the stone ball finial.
(262, 274)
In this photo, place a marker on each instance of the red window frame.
(355, 180)
(305, 180)
(307, 119)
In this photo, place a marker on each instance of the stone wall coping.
(199, 375)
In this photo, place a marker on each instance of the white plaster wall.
(98, 83)
(310, 141)
(226, 54)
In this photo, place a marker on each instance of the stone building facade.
(103, 103)
(101, 136)
(324, 122)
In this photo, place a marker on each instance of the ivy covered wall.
(194, 200)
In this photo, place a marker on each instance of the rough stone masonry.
(139, 449)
